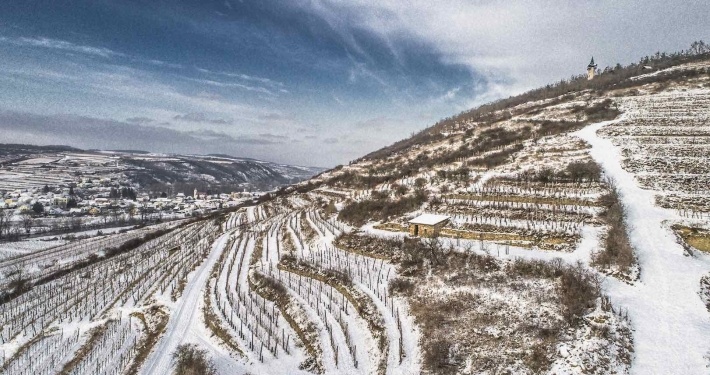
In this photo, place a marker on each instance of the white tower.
(591, 69)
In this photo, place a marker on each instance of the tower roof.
(592, 64)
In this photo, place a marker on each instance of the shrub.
(441, 357)
(578, 291)
(190, 360)
(617, 246)
(380, 208)
(578, 287)
(538, 359)
(401, 286)
(584, 171)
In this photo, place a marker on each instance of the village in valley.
(60, 190)
(62, 208)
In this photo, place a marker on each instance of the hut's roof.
(428, 219)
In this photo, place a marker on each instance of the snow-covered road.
(671, 324)
(185, 317)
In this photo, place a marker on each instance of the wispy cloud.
(242, 76)
(61, 45)
(518, 44)
(224, 138)
(140, 120)
(274, 136)
(258, 89)
(89, 132)
(202, 118)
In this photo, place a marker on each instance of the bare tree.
(27, 222)
(18, 281)
(115, 214)
(4, 221)
(75, 223)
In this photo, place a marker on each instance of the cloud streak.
(200, 117)
(88, 132)
(60, 45)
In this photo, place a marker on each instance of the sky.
(308, 82)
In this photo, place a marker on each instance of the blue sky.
(312, 82)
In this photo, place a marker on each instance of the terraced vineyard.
(664, 142)
(100, 318)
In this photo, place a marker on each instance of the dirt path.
(185, 316)
(671, 324)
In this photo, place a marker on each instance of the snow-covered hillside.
(577, 242)
(25, 167)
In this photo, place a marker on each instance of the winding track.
(186, 316)
(672, 326)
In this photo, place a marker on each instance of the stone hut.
(427, 225)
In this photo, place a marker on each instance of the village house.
(199, 194)
(427, 225)
(61, 201)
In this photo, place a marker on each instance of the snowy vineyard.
(663, 140)
(94, 315)
(349, 324)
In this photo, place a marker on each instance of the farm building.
(427, 225)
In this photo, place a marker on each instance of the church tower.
(591, 69)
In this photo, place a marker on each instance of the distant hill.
(146, 170)
(8, 148)
(214, 172)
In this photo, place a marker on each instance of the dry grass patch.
(543, 241)
(272, 290)
(94, 335)
(392, 227)
(154, 322)
(309, 232)
(369, 246)
(697, 238)
(479, 314)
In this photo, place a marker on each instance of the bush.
(584, 171)
(190, 360)
(579, 171)
(380, 208)
(578, 291)
(441, 357)
(617, 246)
(401, 286)
(538, 359)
